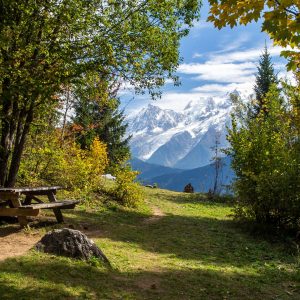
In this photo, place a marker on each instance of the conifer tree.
(112, 131)
(264, 79)
(105, 121)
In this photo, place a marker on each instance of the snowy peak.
(207, 104)
(154, 119)
(183, 140)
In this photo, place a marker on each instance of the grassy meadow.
(175, 246)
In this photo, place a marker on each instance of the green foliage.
(48, 162)
(265, 77)
(47, 45)
(127, 191)
(265, 158)
(280, 19)
(52, 156)
(97, 115)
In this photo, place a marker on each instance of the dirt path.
(15, 242)
(157, 215)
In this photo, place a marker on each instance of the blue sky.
(215, 62)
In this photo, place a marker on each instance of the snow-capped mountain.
(180, 140)
(154, 120)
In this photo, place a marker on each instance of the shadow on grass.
(209, 259)
(207, 240)
(46, 277)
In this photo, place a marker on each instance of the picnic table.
(12, 204)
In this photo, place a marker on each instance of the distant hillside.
(149, 171)
(201, 178)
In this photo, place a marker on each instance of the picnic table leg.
(27, 200)
(22, 219)
(57, 212)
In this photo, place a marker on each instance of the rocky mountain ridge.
(182, 140)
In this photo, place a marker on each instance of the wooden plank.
(18, 212)
(38, 193)
(57, 212)
(30, 189)
(17, 203)
(50, 205)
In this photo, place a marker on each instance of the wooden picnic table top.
(29, 189)
(24, 208)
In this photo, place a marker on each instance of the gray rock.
(70, 243)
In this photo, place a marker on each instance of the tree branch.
(296, 14)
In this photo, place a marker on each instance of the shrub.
(48, 161)
(266, 160)
(126, 190)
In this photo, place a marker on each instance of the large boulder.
(70, 243)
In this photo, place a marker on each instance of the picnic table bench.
(11, 203)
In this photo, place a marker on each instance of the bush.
(46, 161)
(266, 160)
(127, 191)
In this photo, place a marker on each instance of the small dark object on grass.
(149, 186)
(70, 243)
(188, 188)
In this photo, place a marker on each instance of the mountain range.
(174, 148)
(182, 140)
(202, 179)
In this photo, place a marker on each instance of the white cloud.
(228, 67)
(169, 81)
(219, 72)
(227, 44)
(242, 56)
(197, 55)
(126, 89)
(287, 76)
(221, 89)
(202, 24)
(223, 72)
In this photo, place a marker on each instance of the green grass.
(194, 251)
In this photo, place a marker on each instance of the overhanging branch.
(295, 13)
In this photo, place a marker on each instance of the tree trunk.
(68, 106)
(15, 124)
(4, 158)
(18, 150)
(7, 131)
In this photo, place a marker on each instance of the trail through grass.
(175, 247)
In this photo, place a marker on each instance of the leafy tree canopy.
(45, 45)
(280, 20)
